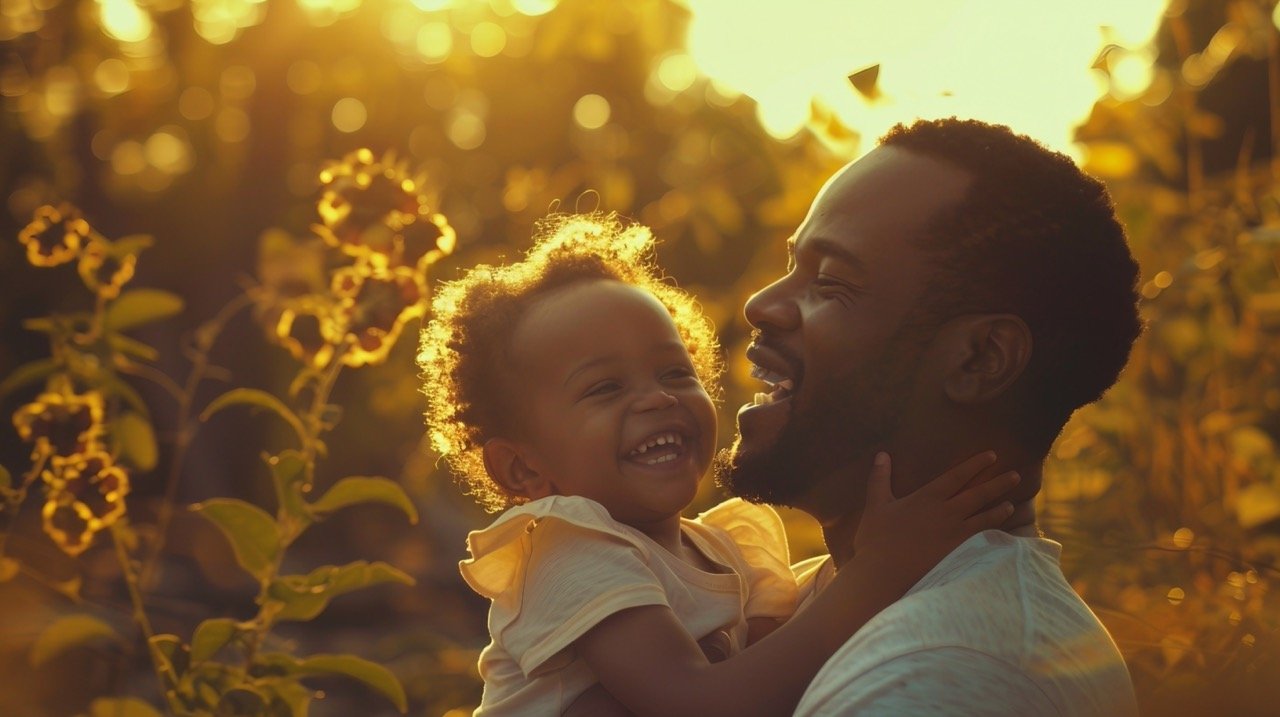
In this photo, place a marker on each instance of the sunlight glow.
(1018, 63)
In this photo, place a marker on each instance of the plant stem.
(319, 399)
(187, 427)
(140, 615)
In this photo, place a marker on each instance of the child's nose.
(655, 399)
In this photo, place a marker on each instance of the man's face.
(834, 342)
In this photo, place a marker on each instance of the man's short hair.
(1035, 237)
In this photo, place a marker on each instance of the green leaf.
(241, 700)
(1258, 503)
(25, 374)
(170, 654)
(133, 347)
(260, 399)
(132, 244)
(251, 532)
(42, 325)
(370, 673)
(9, 569)
(112, 384)
(289, 698)
(67, 632)
(363, 489)
(137, 440)
(305, 596)
(210, 636)
(69, 587)
(122, 707)
(141, 306)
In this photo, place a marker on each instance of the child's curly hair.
(464, 349)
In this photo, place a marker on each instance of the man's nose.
(655, 398)
(773, 308)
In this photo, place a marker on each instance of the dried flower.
(61, 423)
(374, 304)
(68, 522)
(54, 235)
(301, 329)
(95, 481)
(424, 242)
(104, 272)
(366, 201)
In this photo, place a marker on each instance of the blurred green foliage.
(210, 135)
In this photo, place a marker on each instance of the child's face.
(604, 374)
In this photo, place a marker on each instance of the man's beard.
(828, 429)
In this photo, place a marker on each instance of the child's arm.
(644, 657)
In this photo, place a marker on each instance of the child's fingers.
(990, 518)
(879, 491)
(972, 500)
(949, 483)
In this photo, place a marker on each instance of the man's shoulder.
(999, 604)
(997, 593)
(987, 595)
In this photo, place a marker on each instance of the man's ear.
(992, 351)
(509, 466)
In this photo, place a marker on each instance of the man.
(960, 288)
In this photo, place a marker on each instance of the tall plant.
(337, 300)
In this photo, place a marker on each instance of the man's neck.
(840, 527)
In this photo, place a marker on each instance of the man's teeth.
(660, 440)
(772, 378)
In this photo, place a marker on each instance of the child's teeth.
(673, 439)
(762, 398)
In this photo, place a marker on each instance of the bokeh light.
(349, 114)
(591, 111)
(434, 41)
(196, 103)
(488, 39)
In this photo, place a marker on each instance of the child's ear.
(509, 466)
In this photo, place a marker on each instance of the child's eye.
(679, 372)
(603, 388)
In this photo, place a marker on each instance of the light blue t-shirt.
(993, 629)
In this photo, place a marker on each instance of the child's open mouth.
(658, 449)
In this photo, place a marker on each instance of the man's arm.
(936, 682)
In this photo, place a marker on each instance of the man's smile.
(780, 374)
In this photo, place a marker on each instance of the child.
(571, 389)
